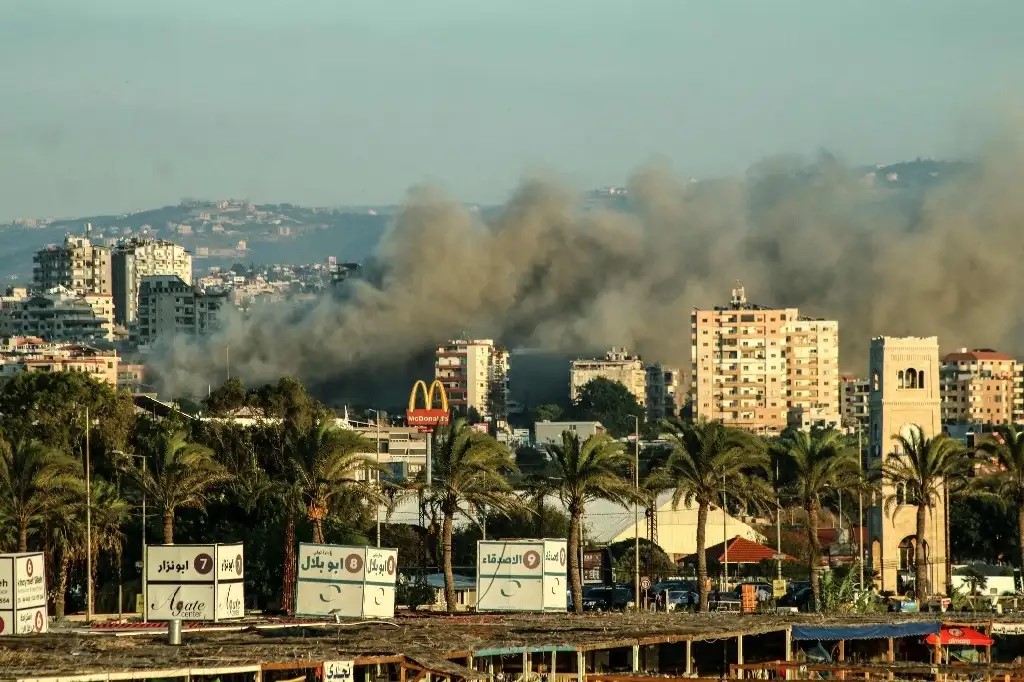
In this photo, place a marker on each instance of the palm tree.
(178, 474)
(582, 471)
(325, 462)
(823, 463)
(710, 460)
(918, 475)
(1006, 482)
(33, 480)
(469, 469)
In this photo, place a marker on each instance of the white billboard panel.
(195, 582)
(23, 594)
(339, 671)
(349, 582)
(521, 575)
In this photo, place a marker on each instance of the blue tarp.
(874, 631)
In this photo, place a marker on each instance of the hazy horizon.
(114, 105)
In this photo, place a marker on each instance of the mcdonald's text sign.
(428, 416)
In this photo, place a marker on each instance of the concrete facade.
(32, 354)
(169, 306)
(58, 314)
(981, 387)
(470, 370)
(618, 364)
(762, 369)
(904, 392)
(77, 264)
(134, 259)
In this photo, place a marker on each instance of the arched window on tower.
(911, 378)
(920, 378)
(900, 379)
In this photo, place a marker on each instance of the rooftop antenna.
(739, 295)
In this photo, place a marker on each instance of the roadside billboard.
(521, 575)
(348, 582)
(195, 582)
(23, 594)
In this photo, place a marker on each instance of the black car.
(799, 598)
(607, 598)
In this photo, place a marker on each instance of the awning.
(955, 636)
(874, 631)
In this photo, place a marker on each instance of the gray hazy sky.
(114, 105)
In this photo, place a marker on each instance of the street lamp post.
(88, 521)
(636, 513)
(376, 414)
(142, 580)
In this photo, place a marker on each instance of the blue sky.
(114, 105)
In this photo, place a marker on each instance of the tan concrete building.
(133, 259)
(981, 386)
(618, 364)
(665, 391)
(77, 264)
(761, 369)
(904, 392)
(58, 314)
(32, 354)
(473, 371)
(854, 393)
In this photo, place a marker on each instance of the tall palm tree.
(921, 470)
(177, 474)
(469, 469)
(581, 471)
(1005, 483)
(822, 464)
(710, 460)
(325, 463)
(33, 480)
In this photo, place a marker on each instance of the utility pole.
(725, 540)
(636, 514)
(778, 524)
(377, 503)
(88, 520)
(860, 503)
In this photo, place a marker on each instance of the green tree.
(227, 397)
(710, 460)
(34, 479)
(581, 471)
(1005, 481)
(821, 464)
(177, 474)
(326, 462)
(547, 413)
(918, 474)
(469, 469)
(657, 562)
(110, 512)
(610, 403)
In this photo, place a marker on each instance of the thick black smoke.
(547, 273)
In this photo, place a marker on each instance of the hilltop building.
(58, 314)
(904, 394)
(77, 265)
(981, 386)
(474, 373)
(169, 306)
(133, 259)
(763, 369)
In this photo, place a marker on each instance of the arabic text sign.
(526, 575)
(22, 594)
(350, 582)
(195, 582)
(339, 671)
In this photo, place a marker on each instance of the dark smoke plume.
(543, 272)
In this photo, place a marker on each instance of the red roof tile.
(742, 551)
(974, 355)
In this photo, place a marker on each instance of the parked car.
(681, 600)
(613, 598)
(800, 598)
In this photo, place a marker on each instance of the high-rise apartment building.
(854, 409)
(981, 386)
(761, 368)
(664, 392)
(474, 373)
(169, 306)
(77, 265)
(904, 396)
(618, 364)
(57, 314)
(133, 259)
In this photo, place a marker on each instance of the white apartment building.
(133, 259)
(618, 364)
(76, 264)
(58, 314)
(763, 369)
(472, 372)
(169, 306)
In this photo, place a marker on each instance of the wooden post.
(689, 657)
(789, 650)
(892, 651)
(401, 671)
(842, 650)
(526, 664)
(490, 669)
(554, 664)
(581, 666)
(636, 658)
(739, 649)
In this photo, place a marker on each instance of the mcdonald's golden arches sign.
(428, 416)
